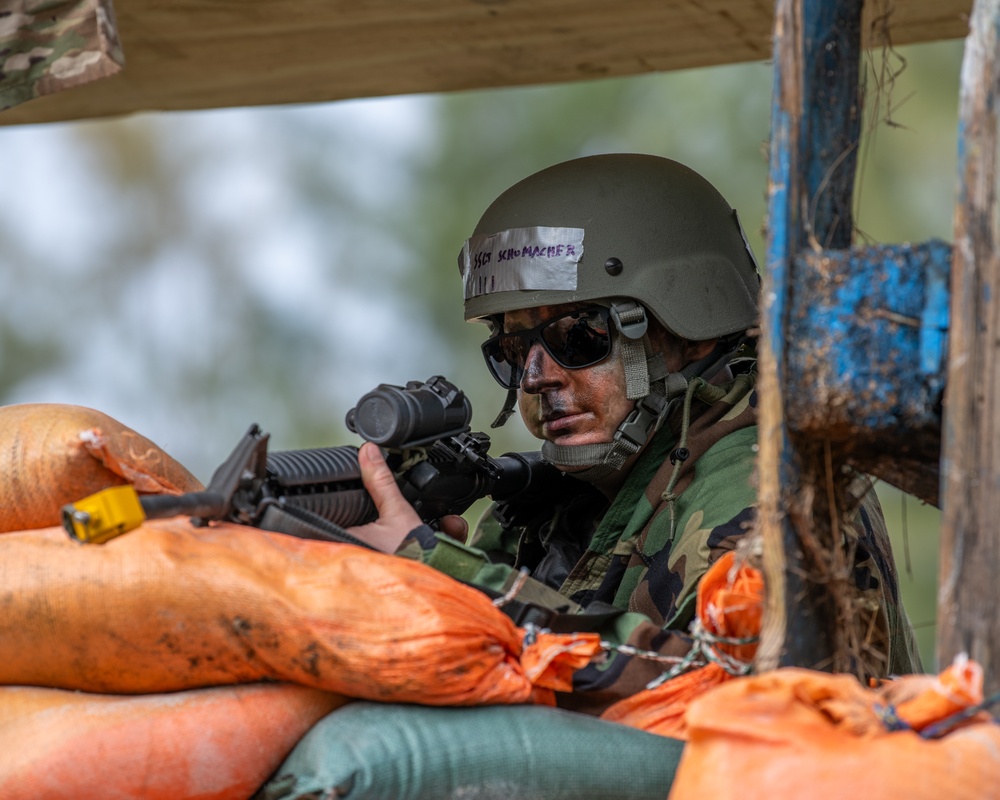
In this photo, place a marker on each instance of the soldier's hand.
(396, 517)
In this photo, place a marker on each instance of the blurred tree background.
(192, 273)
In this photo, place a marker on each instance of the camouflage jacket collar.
(660, 476)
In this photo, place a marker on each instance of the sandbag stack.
(215, 647)
(188, 662)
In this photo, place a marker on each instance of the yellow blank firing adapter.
(103, 516)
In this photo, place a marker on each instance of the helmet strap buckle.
(641, 419)
(632, 323)
(630, 318)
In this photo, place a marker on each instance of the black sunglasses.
(574, 340)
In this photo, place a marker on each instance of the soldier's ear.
(678, 352)
(695, 351)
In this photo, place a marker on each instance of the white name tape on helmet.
(522, 259)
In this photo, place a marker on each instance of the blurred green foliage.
(914, 528)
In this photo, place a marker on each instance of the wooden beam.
(970, 541)
(189, 54)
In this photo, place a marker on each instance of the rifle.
(441, 466)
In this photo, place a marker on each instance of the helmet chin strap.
(508, 408)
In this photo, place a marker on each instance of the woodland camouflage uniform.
(648, 550)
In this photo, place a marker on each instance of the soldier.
(620, 293)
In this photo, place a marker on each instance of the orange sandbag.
(921, 701)
(206, 744)
(796, 733)
(53, 454)
(550, 659)
(170, 606)
(730, 605)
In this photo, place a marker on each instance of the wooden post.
(970, 540)
(814, 133)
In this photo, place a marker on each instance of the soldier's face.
(567, 406)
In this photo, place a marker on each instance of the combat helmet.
(632, 231)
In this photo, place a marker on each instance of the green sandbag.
(370, 750)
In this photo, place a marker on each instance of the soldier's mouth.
(561, 422)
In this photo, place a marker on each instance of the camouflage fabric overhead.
(50, 45)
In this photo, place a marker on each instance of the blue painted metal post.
(866, 356)
(814, 132)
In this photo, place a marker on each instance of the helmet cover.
(615, 226)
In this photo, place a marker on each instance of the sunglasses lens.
(575, 340)
(501, 365)
(578, 339)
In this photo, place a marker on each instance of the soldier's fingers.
(381, 485)
(456, 527)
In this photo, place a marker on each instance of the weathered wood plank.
(191, 55)
(970, 542)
